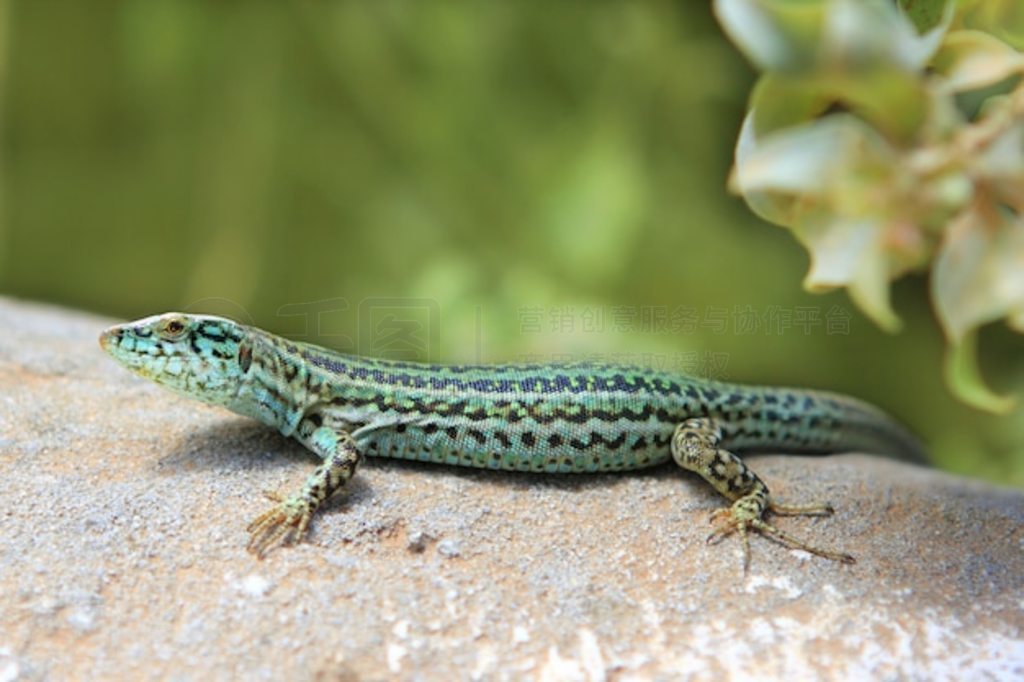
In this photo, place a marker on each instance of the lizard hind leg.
(696, 447)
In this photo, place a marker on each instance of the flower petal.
(805, 158)
(979, 272)
(970, 60)
(851, 253)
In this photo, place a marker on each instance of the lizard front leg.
(696, 447)
(289, 519)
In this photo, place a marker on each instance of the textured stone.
(123, 555)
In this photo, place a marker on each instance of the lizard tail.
(862, 426)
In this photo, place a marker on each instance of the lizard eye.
(172, 328)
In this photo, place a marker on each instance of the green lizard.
(569, 418)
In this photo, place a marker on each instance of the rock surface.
(123, 556)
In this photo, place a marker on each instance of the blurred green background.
(551, 176)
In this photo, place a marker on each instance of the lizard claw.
(728, 521)
(286, 522)
(737, 519)
(274, 496)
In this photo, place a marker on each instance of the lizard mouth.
(110, 337)
(110, 342)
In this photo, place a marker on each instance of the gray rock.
(123, 555)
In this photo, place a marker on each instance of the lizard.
(546, 418)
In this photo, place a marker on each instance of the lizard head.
(201, 356)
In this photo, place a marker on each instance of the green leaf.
(926, 14)
(965, 381)
(783, 100)
(1001, 18)
(893, 100)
